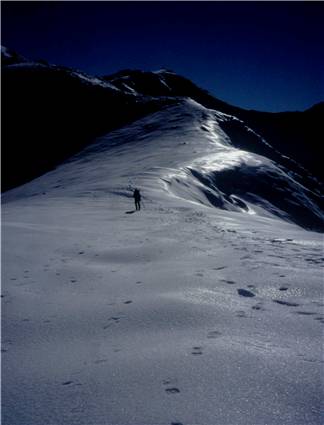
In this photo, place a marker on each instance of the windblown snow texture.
(206, 307)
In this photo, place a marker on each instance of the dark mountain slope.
(299, 135)
(50, 113)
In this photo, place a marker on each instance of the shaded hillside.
(50, 113)
(299, 135)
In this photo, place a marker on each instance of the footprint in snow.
(67, 383)
(258, 307)
(289, 304)
(112, 320)
(213, 334)
(245, 293)
(196, 351)
(115, 318)
(172, 390)
(229, 282)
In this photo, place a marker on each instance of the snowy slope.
(296, 134)
(182, 313)
(184, 147)
(51, 112)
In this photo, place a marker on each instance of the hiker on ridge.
(137, 198)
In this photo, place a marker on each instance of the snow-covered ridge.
(96, 81)
(9, 57)
(291, 136)
(239, 180)
(11, 61)
(183, 151)
(229, 166)
(5, 52)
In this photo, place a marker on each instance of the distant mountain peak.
(164, 71)
(9, 57)
(318, 107)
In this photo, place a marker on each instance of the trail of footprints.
(259, 306)
(170, 387)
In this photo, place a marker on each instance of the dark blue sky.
(261, 55)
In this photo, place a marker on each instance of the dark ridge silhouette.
(49, 114)
(166, 83)
(10, 57)
(298, 135)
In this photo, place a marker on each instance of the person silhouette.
(137, 198)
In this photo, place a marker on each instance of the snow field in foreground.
(177, 314)
(114, 318)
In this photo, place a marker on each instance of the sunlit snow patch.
(197, 182)
(225, 159)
